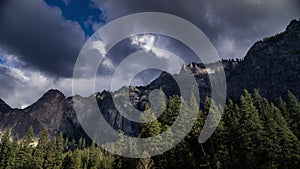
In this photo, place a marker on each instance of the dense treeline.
(253, 133)
(50, 154)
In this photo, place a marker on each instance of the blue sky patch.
(2, 60)
(81, 11)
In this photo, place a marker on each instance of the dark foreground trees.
(252, 134)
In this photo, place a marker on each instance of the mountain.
(54, 112)
(50, 111)
(271, 65)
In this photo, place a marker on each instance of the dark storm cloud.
(232, 25)
(20, 88)
(40, 36)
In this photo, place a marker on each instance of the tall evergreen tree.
(250, 134)
(50, 159)
(25, 153)
(293, 110)
(150, 129)
(5, 149)
(75, 160)
(40, 150)
(94, 156)
(231, 120)
(13, 153)
(59, 150)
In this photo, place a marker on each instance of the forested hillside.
(253, 133)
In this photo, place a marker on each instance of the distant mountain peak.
(52, 92)
(4, 107)
(51, 95)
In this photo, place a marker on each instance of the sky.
(41, 40)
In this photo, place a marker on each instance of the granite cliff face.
(272, 66)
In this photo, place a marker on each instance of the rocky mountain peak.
(294, 25)
(52, 97)
(4, 107)
(53, 93)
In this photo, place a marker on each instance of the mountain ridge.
(271, 65)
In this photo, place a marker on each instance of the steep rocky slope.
(271, 65)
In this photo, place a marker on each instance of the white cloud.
(11, 60)
(18, 74)
(100, 46)
(24, 87)
(147, 43)
(108, 63)
(27, 86)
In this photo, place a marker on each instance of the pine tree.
(94, 158)
(59, 150)
(150, 129)
(197, 150)
(271, 137)
(81, 143)
(251, 133)
(283, 110)
(107, 161)
(171, 112)
(289, 145)
(75, 160)
(293, 110)
(50, 159)
(231, 120)
(5, 149)
(40, 151)
(12, 162)
(25, 153)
